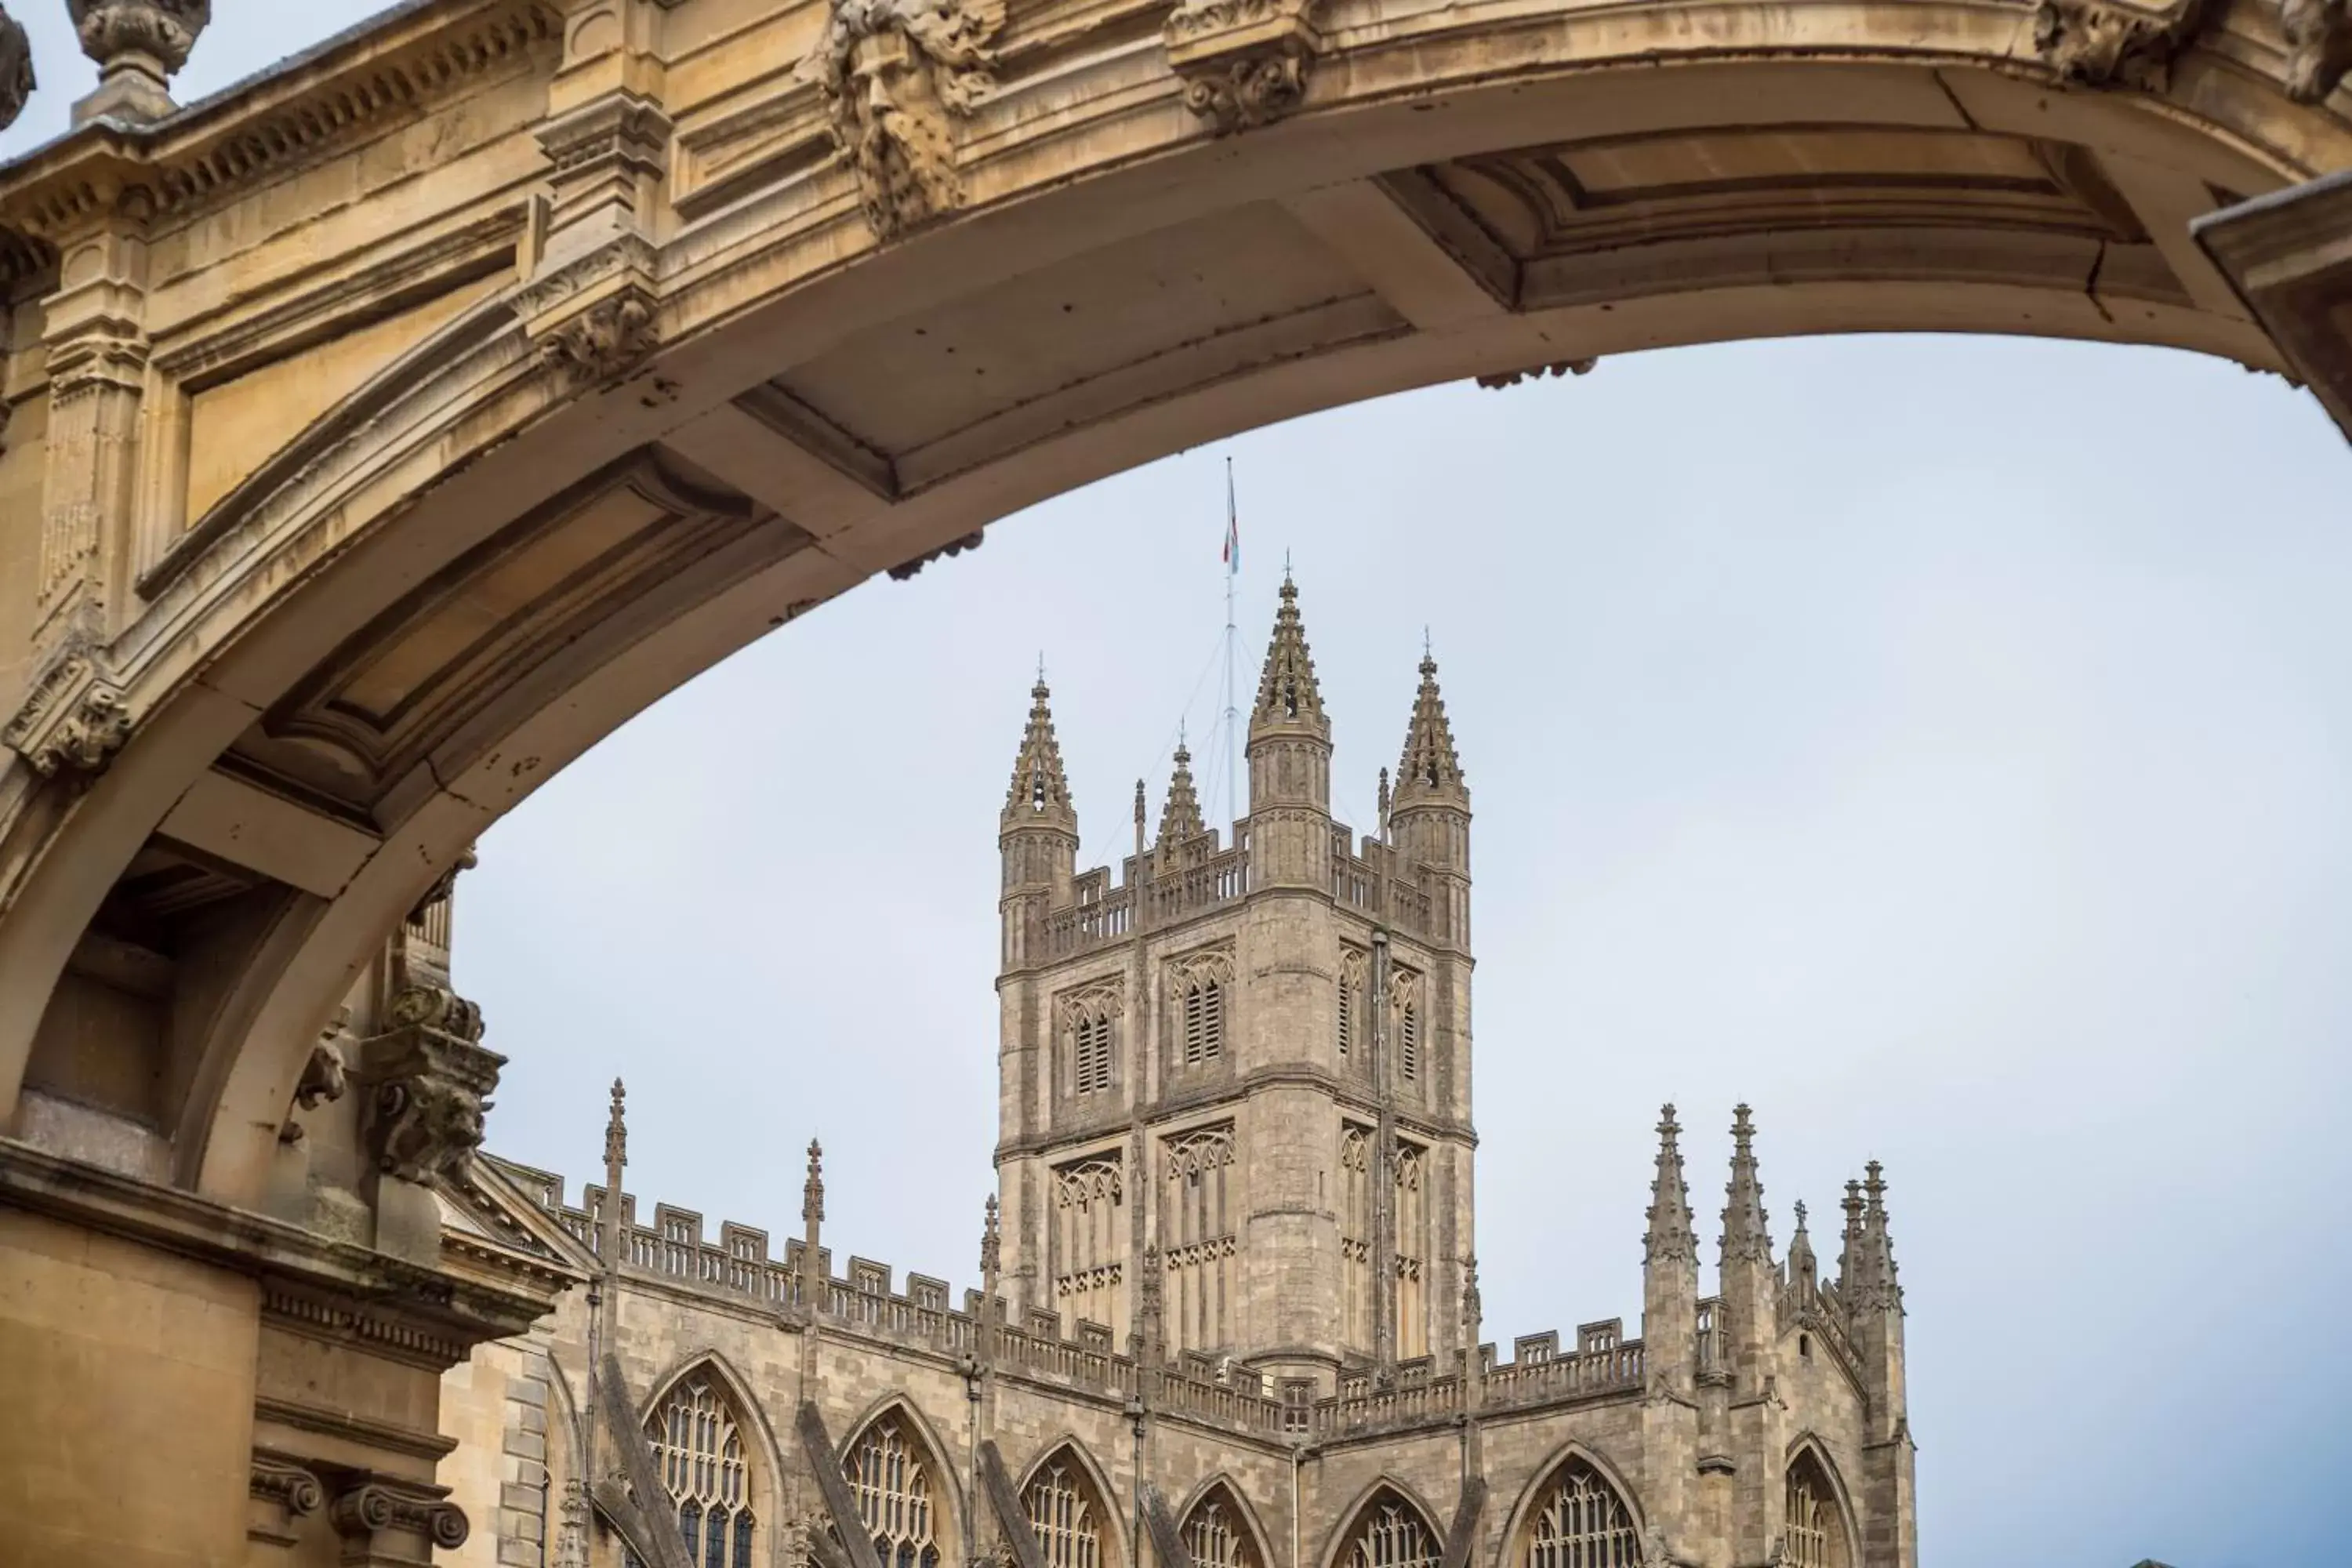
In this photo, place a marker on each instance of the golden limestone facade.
(1228, 1310)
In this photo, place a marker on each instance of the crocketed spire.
(1288, 695)
(1180, 819)
(1669, 1238)
(1430, 766)
(1871, 1283)
(1040, 792)
(1747, 1238)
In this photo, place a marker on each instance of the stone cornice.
(312, 1282)
(415, 55)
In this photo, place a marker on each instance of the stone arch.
(1069, 1456)
(1382, 1493)
(949, 1510)
(447, 457)
(1808, 1452)
(1518, 1530)
(764, 1466)
(1224, 1489)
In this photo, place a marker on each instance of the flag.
(1232, 526)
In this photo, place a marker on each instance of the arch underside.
(384, 636)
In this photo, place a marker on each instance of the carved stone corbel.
(324, 1076)
(17, 86)
(591, 318)
(897, 76)
(433, 1081)
(285, 1492)
(2319, 45)
(74, 721)
(374, 1515)
(1244, 62)
(2106, 42)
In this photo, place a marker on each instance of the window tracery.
(1215, 1536)
(893, 1487)
(1583, 1523)
(698, 1451)
(1404, 998)
(1090, 1032)
(1354, 973)
(1197, 1236)
(1089, 1246)
(1065, 1514)
(1411, 1250)
(1391, 1533)
(1201, 987)
(1356, 1232)
(1816, 1532)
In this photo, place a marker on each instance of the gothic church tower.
(1236, 1082)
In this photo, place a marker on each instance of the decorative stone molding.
(2101, 43)
(591, 318)
(896, 76)
(1244, 62)
(433, 1084)
(2318, 38)
(381, 1504)
(138, 46)
(17, 86)
(74, 721)
(604, 342)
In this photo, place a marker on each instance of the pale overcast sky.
(1945, 745)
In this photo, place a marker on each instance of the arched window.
(1065, 1514)
(1353, 969)
(1582, 1523)
(1404, 1001)
(1090, 1052)
(1411, 1213)
(1197, 1238)
(1391, 1533)
(1204, 1021)
(1215, 1536)
(1356, 1234)
(1816, 1532)
(1090, 1241)
(698, 1450)
(895, 1495)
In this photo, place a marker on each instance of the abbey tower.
(1228, 1312)
(1202, 1062)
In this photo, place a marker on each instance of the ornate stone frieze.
(75, 721)
(896, 76)
(16, 82)
(381, 1504)
(1244, 62)
(433, 1081)
(2318, 43)
(2103, 43)
(139, 45)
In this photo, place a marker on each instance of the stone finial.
(1873, 1285)
(1473, 1305)
(1746, 1236)
(616, 1132)
(1803, 1265)
(1670, 1238)
(1430, 769)
(991, 1243)
(16, 82)
(1289, 697)
(1180, 819)
(138, 46)
(813, 1189)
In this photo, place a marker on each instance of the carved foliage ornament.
(163, 31)
(2097, 43)
(433, 1084)
(17, 86)
(896, 76)
(1244, 62)
(603, 341)
(73, 723)
(2319, 47)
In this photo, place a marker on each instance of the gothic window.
(699, 1450)
(1404, 1000)
(1214, 1534)
(1065, 1514)
(892, 1487)
(1816, 1537)
(1090, 1241)
(1204, 1022)
(1391, 1533)
(1412, 1252)
(1354, 968)
(1197, 1236)
(1355, 1233)
(1090, 1030)
(1582, 1523)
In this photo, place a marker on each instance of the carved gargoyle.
(2103, 43)
(17, 86)
(2319, 46)
(323, 1078)
(433, 1082)
(896, 75)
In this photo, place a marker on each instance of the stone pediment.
(489, 1204)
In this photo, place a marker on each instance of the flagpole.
(1232, 714)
